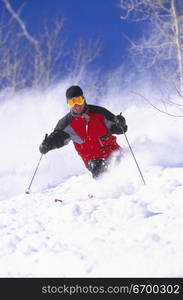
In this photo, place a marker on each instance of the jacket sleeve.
(58, 138)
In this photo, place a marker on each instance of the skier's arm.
(57, 139)
(115, 124)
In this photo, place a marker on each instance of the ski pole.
(133, 155)
(28, 190)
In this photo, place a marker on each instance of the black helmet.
(74, 91)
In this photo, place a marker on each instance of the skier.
(90, 128)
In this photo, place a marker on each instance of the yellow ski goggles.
(76, 100)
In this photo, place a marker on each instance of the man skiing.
(90, 128)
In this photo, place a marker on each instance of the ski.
(58, 200)
(90, 196)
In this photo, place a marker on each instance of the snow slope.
(127, 229)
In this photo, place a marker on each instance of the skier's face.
(77, 109)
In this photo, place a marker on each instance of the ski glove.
(121, 122)
(44, 147)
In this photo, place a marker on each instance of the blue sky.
(87, 19)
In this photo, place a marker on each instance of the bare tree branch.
(154, 106)
(161, 47)
(28, 61)
(20, 22)
(83, 54)
(163, 42)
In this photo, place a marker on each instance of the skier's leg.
(98, 166)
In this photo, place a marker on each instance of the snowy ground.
(127, 229)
